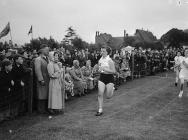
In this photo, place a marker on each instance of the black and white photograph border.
(93, 70)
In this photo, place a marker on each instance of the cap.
(6, 62)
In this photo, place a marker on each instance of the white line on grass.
(136, 88)
(128, 106)
(162, 77)
(163, 109)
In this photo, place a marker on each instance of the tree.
(35, 43)
(78, 43)
(174, 37)
(70, 36)
(93, 47)
(52, 43)
(128, 41)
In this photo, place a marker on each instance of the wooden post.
(124, 38)
(30, 98)
(10, 35)
(63, 90)
(132, 66)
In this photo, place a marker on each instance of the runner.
(183, 75)
(177, 61)
(106, 81)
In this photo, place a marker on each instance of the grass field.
(143, 109)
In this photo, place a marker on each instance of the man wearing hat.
(42, 77)
(6, 81)
(6, 84)
(18, 71)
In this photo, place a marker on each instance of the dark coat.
(18, 74)
(5, 83)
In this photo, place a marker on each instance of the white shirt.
(186, 61)
(178, 60)
(104, 62)
(184, 70)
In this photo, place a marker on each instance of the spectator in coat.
(6, 84)
(42, 77)
(80, 84)
(87, 72)
(19, 76)
(55, 85)
(18, 72)
(6, 81)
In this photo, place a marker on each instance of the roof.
(186, 30)
(145, 36)
(116, 42)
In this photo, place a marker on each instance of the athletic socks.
(100, 110)
(180, 94)
(181, 91)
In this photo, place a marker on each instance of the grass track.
(142, 109)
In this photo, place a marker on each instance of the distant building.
(140, 38)
(186, 40)
(186, 31)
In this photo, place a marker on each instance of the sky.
(53, 17)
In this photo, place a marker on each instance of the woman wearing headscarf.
(55, 84)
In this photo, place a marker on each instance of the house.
(140, 38)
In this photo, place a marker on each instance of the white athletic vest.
(178, 59)
(104, 62)
(186, 61)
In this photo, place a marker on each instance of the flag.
(30, 30)
(5, 31)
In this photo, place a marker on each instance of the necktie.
(46, 59)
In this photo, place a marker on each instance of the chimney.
(124, 33)
(97, 33)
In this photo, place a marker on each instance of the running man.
(106, 81)
(183, 75)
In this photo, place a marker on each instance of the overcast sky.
(53, 17)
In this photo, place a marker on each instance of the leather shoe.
(98, 113)
(176, 84)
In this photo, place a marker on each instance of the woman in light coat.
(55, 84)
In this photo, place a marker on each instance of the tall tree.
(70, 35)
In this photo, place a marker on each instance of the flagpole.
(11, 37)
(32, 34)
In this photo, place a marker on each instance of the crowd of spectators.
(60, 74)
